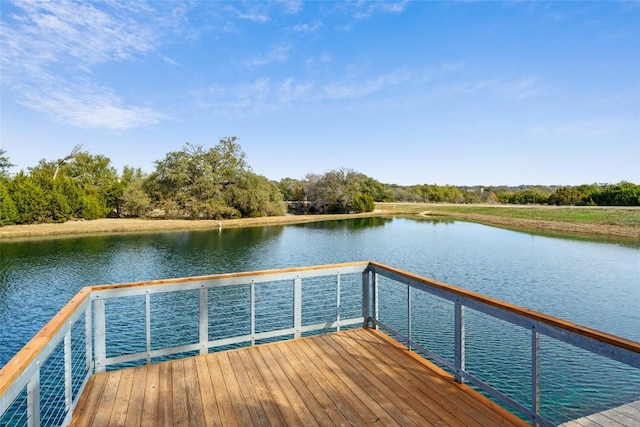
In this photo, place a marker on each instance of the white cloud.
(254, 16)
(278, 53)
(266, 95)
(48, 47)
(62, 31)
(365, 9)
(255, 97)
(260, 12)
(290, 92)
(85, 105)
(352, 88)
(520, 88)
(307, 28)
(291, 6)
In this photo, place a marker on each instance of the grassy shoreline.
(597, 222)
(584, 221)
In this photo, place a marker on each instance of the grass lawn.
(623, 217)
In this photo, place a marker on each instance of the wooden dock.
(622, 416)
(352, 378)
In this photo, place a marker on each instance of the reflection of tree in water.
(435, 221)
(346, 224)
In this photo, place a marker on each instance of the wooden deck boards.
(354, 378)
(623, 416)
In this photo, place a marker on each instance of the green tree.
(92, 206)
(337, 190)
(213, 183)
(255, 196)
(98, 180)
(136, 202)
(8, 211)
(566, 196)
(79, 185)
(621, 194)
(377, 190)
(363, 203)
(29, 198)
(5, 164)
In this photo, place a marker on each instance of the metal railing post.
(252, 311)
(297, 306)
(88, 339)
(459, 341)
(147, 324)
(376, 312)
(338, 303)
(408, 317)
(68, 373)
(99, 334)
(33, 400)
(535, 374)
(365, 298)
(203, 320)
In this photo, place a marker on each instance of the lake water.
(592, 283)
(596, 284)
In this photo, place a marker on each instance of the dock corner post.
(297, 306)
(459, 341)
(366, 304)
(203, 320)
(99, 334)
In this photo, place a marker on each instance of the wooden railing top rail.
(21, 361)
(531, 314)
(240, 275)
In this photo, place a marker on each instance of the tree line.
(620, 194)
(193, 183)
(217, 183)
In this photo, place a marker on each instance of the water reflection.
(352, 224)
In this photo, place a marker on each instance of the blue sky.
(462, 93)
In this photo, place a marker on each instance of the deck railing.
(525, 360)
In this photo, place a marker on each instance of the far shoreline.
(138, 225)
(143, 225)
